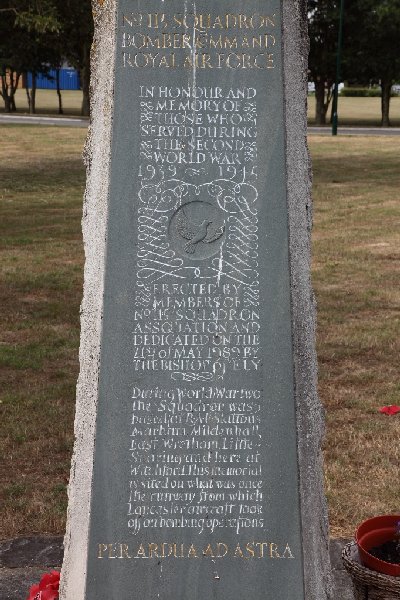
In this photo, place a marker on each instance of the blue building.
(69, 80)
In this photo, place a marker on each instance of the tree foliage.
(24, 46)
(373, 41)
(39, 16)
(36, 35)
(371, 48)
(323, 25)
(76, 21)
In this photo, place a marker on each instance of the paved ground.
(356, 130)
(78, 122)
(24, 560)
(38, 120)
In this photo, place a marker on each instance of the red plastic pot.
(374, 532)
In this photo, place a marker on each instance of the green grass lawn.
(361, 112)
(47, 102)
(352, 111)
(42, 180)
(357, 282)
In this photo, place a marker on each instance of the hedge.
(363, 92)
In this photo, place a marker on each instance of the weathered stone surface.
(94, 226)
(15, 583)
(342, 585)
(310, 418)
(197, 394)
(31, 551)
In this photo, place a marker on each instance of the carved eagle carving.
(205, 233)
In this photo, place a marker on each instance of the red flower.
(47, 588)
(390, 410)
(34, 592)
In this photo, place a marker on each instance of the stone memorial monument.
(197, 470)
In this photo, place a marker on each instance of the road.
(355, 131)
(78, 122)
(38, 120)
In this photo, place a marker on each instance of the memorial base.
(367, 584)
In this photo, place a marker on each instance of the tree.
(323, 32)
(374, 30)
(24, 45)
(13, 58)
(35, 36)
(32, 16)
(76, 34)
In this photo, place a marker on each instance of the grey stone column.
(310, 414)
(310, 422)
(94, 227)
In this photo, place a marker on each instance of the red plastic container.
(374, 532)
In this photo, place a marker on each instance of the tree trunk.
(9, 85)
(4, 93)
(7, 104)
(60, 106)
(385, 102)
(320, 109)
(14, 80)
(32, 105)
(85, 81)
(28, 97)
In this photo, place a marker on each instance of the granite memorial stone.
(197, 470)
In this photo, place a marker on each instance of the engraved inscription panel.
(195, 490)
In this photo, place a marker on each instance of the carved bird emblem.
(204, 233)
